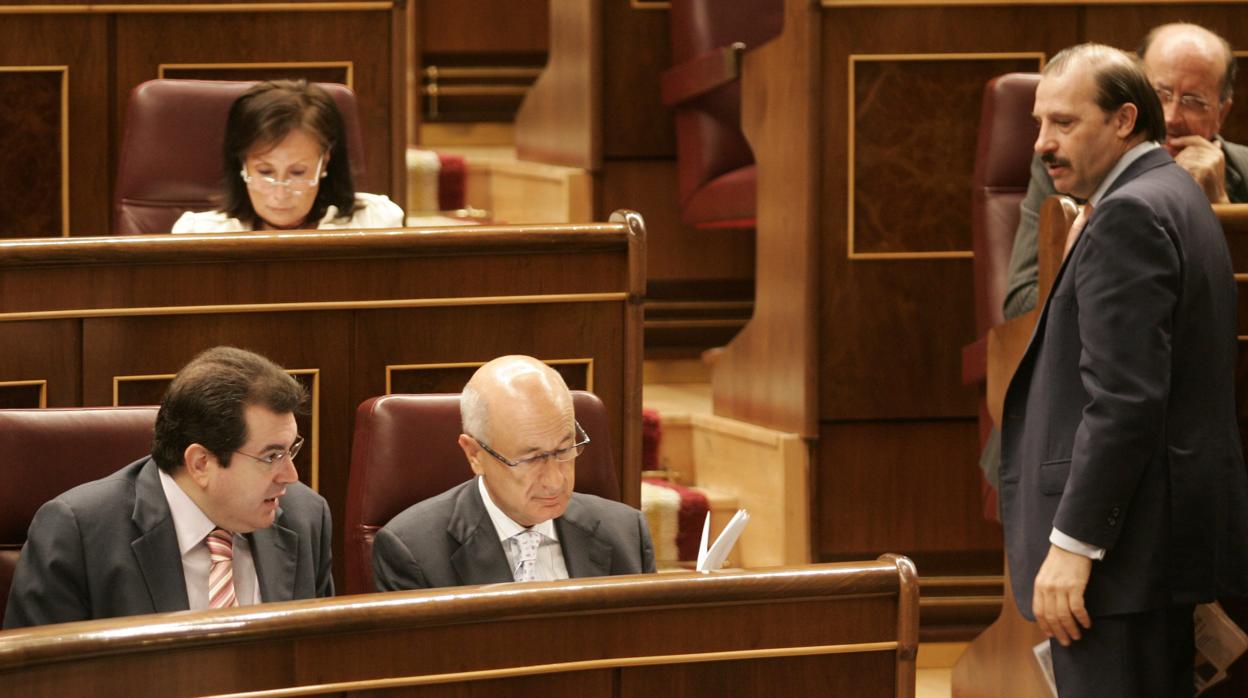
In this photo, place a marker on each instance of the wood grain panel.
(637, 49)
(144, 42)
(482, 26)
(47, 351)
(33, 141)
(31, 187)
(910, 486)
(451, 378)
(23, 394)
(836, 675)
(311, 72)
(911, 176)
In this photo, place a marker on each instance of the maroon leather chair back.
(1002, 169)
(712, 155)
(171, 151)
(46, 452)
(406, 450)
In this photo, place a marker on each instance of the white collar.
(190, 522)
(503, 525)
(1123, 162)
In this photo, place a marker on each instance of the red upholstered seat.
(1002, 169)
(171, 151)
(1003, 156)
(714, 163)
(405, 450)
(46, 452)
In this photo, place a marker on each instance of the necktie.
(221, 576)
(1085, 212)
(526, 564)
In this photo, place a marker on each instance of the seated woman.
(287, 168)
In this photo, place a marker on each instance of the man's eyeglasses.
(295, 185)
(561, 455)
(277, 457)
(1190, 103)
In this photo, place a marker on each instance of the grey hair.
(473, 415)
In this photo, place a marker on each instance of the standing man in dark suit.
(214, 518)
(519, 519)
(1124, 495)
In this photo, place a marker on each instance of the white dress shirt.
(550, 565)
(192, 528)
(371, 211)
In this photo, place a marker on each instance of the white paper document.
(710, 559)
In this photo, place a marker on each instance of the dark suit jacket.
(449, 540)
(1120, 423)
(108, 548)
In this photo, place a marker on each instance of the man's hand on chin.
(1205, 162)
(1057, 600)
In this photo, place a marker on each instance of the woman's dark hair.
(261, 118)
(1120, 80)
(206, 401)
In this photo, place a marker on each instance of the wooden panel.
(849, 626)
(899, 204)
(23, 394)
(34, 141)
(482, 26)
(451, 378)
(908, 486)
(34, 197)
(146, 41)
(46, 351)
(310, 71)
(637, 49)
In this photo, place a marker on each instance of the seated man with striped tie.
(214, 517)
(519, 518)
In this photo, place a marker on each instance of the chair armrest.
(701, 74)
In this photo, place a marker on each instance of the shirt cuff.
(1077, 547)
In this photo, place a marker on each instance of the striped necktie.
(526, 562)
(221, 576)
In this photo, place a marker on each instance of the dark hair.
(262, 117)
(1120, 80)
(1227, 88)
(205, 402)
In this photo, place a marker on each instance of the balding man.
(1193, 71)
(1123, 491)
(519, 519)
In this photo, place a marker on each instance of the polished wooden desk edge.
(337, 243)
(396, 610)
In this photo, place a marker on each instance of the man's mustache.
(1053, 161)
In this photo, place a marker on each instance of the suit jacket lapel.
(583, 552)
(274, 549)
(156, 548)
(480, 558)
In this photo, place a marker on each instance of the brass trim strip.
(854, 59)
(348, 65)
(64, 71)
(43, 388)
(588, 362)
(196, 8)
(565, 667)
(316, 408)
(657, 4)
(612, 296)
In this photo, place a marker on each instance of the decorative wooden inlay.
(913, 124)
(342, 72)
(149, 389)
(451, 377)
(23, 394)
(34, 151)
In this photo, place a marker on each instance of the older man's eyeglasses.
(561, 455)
(295, 185)
(1188, 103)
(277, 458)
